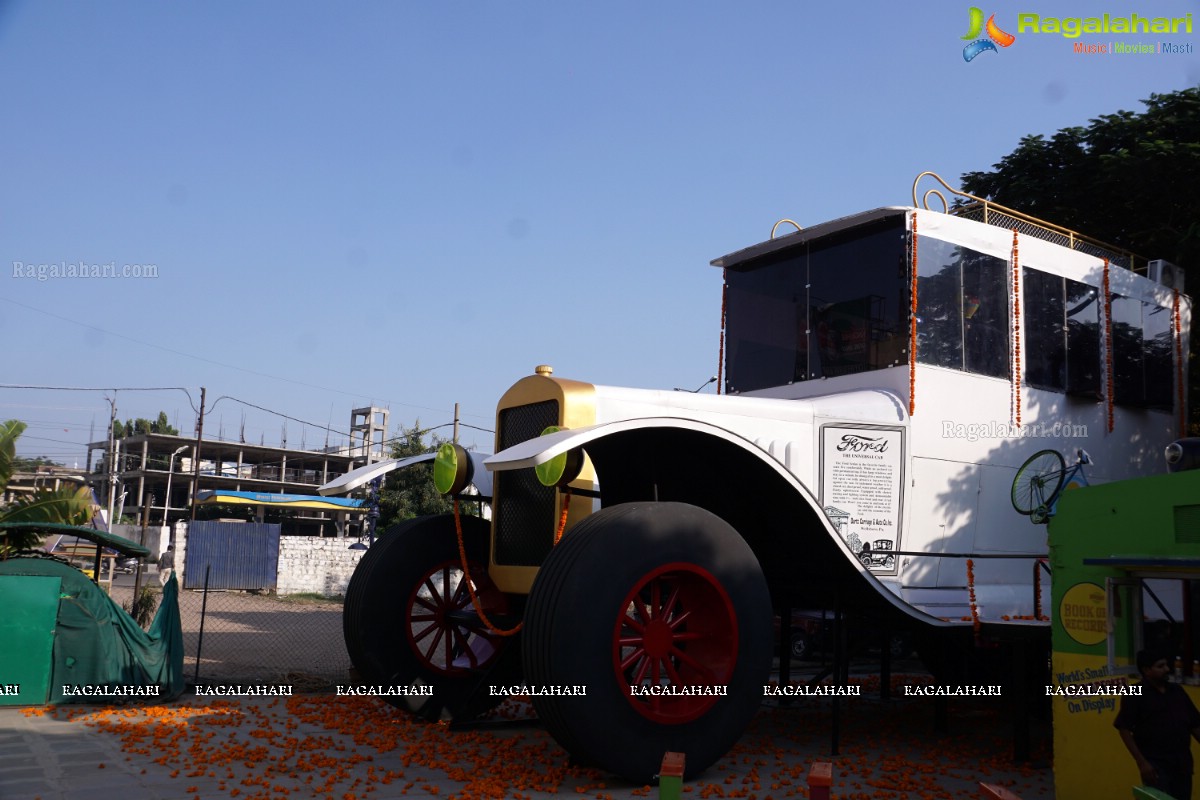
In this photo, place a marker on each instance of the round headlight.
(563, 468)
(451, 469)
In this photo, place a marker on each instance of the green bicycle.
(1041, 480)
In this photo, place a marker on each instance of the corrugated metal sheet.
(238, 555)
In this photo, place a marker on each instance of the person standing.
(166, 564)
(1157, 726)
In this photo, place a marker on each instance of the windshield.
(835, 306)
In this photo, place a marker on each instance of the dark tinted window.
(835, 306)
(1083, 339)
(962, 309)
(1061, 334)
(1045, 331)
(1159, 360)
(1128, 372)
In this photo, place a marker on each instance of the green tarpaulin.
(100, 654)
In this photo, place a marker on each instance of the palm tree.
(63, 505)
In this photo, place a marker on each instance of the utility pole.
(112, 459)
(196, 457)
(456, 423)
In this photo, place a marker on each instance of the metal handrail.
(988, 206)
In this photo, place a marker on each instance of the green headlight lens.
(451, 469)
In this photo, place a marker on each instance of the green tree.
(410, 492)
(71, 506)
(141, 425)
(23, 464)
(1126, 179)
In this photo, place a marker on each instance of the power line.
(203, 359)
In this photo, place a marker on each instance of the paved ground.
(323, 746)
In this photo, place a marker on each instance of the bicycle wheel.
(1038, 480)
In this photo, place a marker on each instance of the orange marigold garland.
(912, 317)
(1179, 366)
(1016, 326)
(562, 520)
(971, 596)
(462, 554)
(1108, 347)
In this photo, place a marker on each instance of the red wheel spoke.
(422, 617)
(672, 601)
(691, 662)
(436, 596)
(673, 674)
(428, 629)
(461, 596)
(633, 623)
(687, 636)
(433, 646)
(677, 621)
(640, 608)
(655, 598)
(630, 641)
(641, 673)
(418, 600)
(629, 662)
(445, 584)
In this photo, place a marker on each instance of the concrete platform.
(353, 748)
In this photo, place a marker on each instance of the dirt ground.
(259, 638)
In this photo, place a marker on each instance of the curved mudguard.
(541, 449)
(364, 475)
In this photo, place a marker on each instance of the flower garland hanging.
(462, 556)
(1179, 366)
(971, 596)
(1108, 347)
(912, 321)
(1016, 326)
(562, 520)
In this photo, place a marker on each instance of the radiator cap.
(543, 369)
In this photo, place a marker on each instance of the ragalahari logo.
(995, 35)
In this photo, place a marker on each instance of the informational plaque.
(861, 472)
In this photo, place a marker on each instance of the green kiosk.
(1125, 560)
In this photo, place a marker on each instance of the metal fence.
(248, 637)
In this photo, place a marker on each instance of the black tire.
(630, 580)
(392, 636)
(1037, 481)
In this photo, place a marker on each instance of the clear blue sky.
(414, 203)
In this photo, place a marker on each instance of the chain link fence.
(237, 637)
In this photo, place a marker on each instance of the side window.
(1129, 380)
(962, 309)
(985, 315)
(1159, 341)
(939, 304)
(1045, 339)
(1083, 339)
(1062, 334)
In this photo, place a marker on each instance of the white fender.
(541, 449)
(364, 475)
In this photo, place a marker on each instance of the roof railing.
(981, 210)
